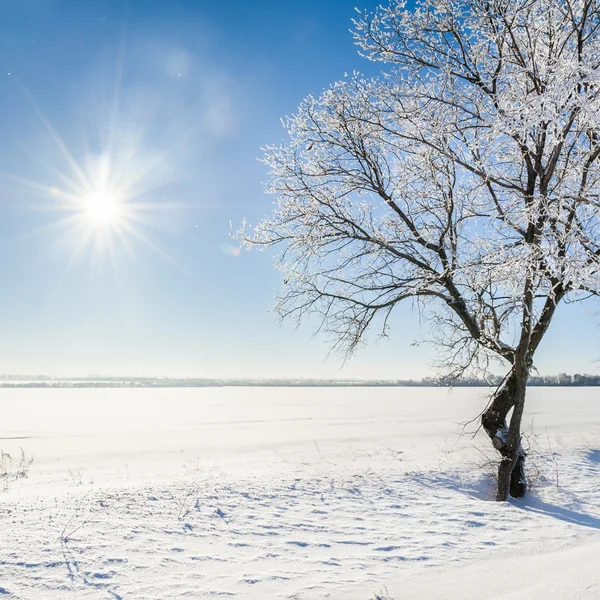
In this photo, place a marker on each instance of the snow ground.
(294, 493)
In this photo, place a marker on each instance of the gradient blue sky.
(193, 89)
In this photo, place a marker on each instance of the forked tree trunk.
(507, 439)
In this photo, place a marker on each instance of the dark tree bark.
(507, 439)
(511, 395)
(518, 481)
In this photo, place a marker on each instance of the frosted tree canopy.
(465, 177)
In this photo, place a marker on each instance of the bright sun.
(103, 207)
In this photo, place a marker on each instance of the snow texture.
(293, 494)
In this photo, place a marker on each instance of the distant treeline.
(11, 381)
(562, 379)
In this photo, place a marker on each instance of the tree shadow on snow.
(593, 455)
(475, 486)
(482, 487)
(534, 504)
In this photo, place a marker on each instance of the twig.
(553, 456)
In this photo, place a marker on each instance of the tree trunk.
(507, 440)
(518, 481)
(511, 476)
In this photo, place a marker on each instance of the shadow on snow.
(534, 504)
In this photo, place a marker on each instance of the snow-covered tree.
(465, 178)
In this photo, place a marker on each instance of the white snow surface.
(292, 493)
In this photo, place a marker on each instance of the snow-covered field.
(349, 493)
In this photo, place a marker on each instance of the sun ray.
(116, 91)
(55, 137)
(76, 257)
(149, 244)
(65, 225)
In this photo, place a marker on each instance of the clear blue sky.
(180, 96)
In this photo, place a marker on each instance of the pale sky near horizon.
(169, 102)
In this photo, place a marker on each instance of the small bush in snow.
(13, 469)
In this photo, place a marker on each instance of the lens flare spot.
(230, 250)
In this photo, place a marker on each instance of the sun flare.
(102, 207)
(108, 198)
